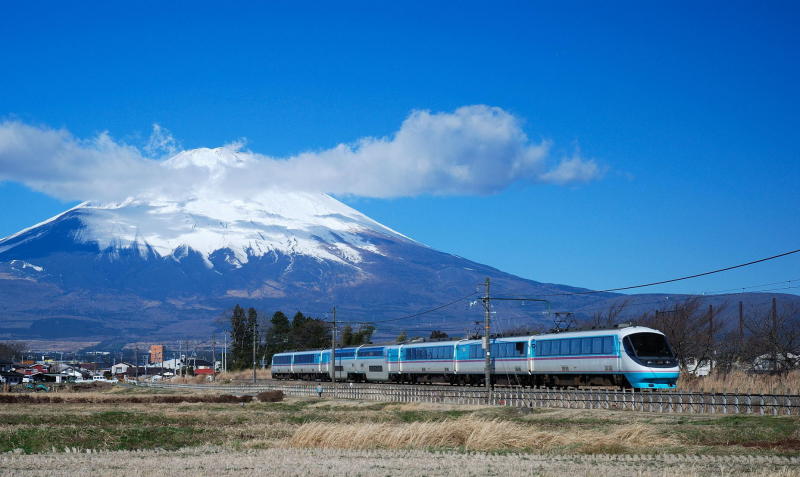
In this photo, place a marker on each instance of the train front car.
(646, 359)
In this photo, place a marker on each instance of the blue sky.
(689, 108)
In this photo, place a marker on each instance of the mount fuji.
(166, 267)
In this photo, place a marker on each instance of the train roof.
(621, 330)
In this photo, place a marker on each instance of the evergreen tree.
(239, 337)
(279, 336)
(363, 335)
(402, 337)
(309, 333)
(347, 336)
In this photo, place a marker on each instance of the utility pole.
(741, 324)
(214, 354)
(225, 353)
(487, 369)
(333, 348)
(136, 361)
(712, 351)
(773, 335)
(180, 358)
(255, 335)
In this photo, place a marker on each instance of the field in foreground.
(129, 430)
(301, 462)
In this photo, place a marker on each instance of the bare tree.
(610, 317)
(774, 341)
(10, 350)
(690, 329)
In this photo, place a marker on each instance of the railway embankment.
(672, 402)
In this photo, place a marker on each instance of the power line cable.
(631, 287)
(413, 315)
(751, 286)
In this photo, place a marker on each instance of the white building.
(120, 368)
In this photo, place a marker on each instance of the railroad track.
(652, 401)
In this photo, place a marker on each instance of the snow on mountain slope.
(293, 223)
(168, 263)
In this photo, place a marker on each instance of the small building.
(156, 354)
(120, 368)
(769, 363)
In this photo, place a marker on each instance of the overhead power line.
(787, 282)
(413, 315)
(631, 287)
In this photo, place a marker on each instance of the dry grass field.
(130, 431)
(219, 461)
(741, 382)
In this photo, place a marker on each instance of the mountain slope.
(166, 267)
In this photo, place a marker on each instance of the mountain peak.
(214, 159)
(291, 223)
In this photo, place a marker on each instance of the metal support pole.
(487, 345)
(255, 328)
(333, 348)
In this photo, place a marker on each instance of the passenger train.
(628, 357)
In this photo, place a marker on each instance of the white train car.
(633, 356)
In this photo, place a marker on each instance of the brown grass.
(245, 374)
(302, 462)
(468, 433)
(741, 382)
(121, 399)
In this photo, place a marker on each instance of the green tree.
(347, 336)
(309, 333)
(402, 337)
(362, 336)
(279, 336)
(239, 339)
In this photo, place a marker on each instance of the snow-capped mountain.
(167, 266)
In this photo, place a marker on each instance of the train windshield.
(648, 345)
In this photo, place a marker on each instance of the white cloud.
(473, 150)
(161, 143)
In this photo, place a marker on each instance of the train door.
(459, 355)
(392, 358)
(358, 369)
(531, 356)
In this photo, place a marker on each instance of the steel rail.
(650, 401)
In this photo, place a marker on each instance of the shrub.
(270, 396)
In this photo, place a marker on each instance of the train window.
(364, 352)
(650, 345)
(519, 347)
(597, 345)
(564, 347)
(586, 346)
(608, 345)
(544, 348)
(304, 358)
(575, 346)
(286, 359)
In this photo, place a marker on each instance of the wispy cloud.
(472, 150)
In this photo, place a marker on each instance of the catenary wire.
(631, 287)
